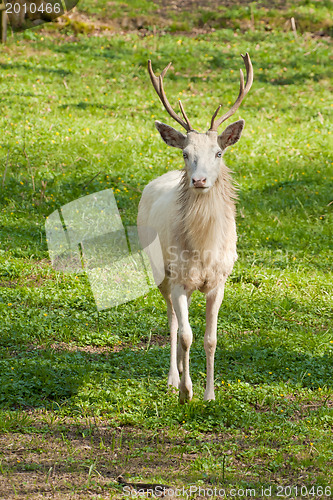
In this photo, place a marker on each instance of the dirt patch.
(29, 281)
(303, 411)
(192, 17)
(214, 5)
(155, 340)
(9, 284)
(35, 279)
(83, 459)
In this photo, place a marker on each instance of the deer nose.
(199, 183)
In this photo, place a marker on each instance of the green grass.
(72, 379)
(310, 15)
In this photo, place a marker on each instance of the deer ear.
(170, 135)
(231, 134)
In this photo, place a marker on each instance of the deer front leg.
(213, 303)
(180, 304)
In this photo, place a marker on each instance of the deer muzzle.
(199, 183)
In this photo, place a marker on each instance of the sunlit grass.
(78, 117)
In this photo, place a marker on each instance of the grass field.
(83, 394)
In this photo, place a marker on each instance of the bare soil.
(63, 459)
(188, 15)
(190, 5)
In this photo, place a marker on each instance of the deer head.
(202, 152)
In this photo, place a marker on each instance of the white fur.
(197, 232)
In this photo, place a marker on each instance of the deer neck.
(203, 218)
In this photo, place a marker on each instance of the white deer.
(193, 213)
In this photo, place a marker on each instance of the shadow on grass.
(27, 67)
(87, 105)
(50, 378)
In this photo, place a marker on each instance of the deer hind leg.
(213, 303)
(180, 303)
(173, 377)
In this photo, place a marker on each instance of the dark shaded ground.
(193, 16)
(190, 5)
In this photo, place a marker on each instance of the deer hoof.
(185, 393)
(173, 381)
(209, 396)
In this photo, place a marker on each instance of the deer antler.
(157, 82)
(242, 93)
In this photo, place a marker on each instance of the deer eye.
(185, 155)
(219, 154)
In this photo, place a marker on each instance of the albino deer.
(193, 212)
